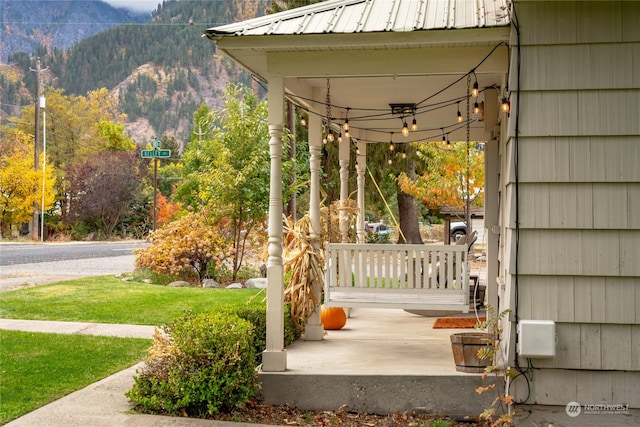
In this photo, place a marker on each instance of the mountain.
(26, 25)
(160, 70)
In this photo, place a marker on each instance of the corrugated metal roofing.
(367, 16)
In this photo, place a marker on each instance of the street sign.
(155, 154)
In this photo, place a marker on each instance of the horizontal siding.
(579, 252)
(579, 113)
(580, 159)
(580, 299)
(575, 67)
(575, 22)
(584, 387)
(617, 344)
(594, 206)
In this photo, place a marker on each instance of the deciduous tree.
(103, 187)
(228, 164)
(20, 184)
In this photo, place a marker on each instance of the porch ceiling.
(369, 71)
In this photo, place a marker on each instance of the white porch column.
(274, 358)
(361, 167)
(343, 155)
(314, 330)
(491, 218)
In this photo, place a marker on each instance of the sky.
(137, 5)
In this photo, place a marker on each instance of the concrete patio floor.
(383, 360)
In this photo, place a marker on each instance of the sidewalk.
(103, 404)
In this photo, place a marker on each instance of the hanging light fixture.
(476, 108)
(391, 146)
(405, 129)
(505, 106)
(347, 134)
(390, 161)
(404, 155)
(414, 124)
(345, 125)
(330, 137)
(459, 114)
(340, 138)
(303, 122)
(475, 91)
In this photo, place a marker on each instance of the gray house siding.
(579, 196)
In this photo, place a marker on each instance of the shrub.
(185, 247)
(200, 365)
(258, 317)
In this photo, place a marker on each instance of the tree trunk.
(408, 213)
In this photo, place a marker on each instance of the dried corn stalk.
(304, 260)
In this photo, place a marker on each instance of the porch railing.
(426, 277)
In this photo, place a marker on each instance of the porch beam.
(274, 358)
(411, 62)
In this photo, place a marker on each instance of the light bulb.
(414, 125)
(506, 105)
(330, 137)
(404, 155)
(459, 117)
(347, 134)
(345, 126)
(405, 129)
(476, 108)
(390, 161)
(391, 146)
(475, 91)
(340, 138)
(303, 122)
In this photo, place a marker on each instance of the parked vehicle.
(457, 229)
(378, 228)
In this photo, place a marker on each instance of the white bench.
(418, 277)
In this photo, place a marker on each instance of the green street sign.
(155, 154)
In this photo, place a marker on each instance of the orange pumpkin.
(333, 318)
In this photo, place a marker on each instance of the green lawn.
(36, 368)
(39, 368)
(107, 299)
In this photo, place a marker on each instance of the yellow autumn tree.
(20, 185)
(448, 174)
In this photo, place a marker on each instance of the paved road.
(30, 264)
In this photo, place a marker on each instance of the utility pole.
(36, 150)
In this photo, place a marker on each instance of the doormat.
(456, 322)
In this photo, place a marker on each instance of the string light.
(391, 146)
(330, 137)
(459, 113)
(345, 125)
(405, 129)
(414, 124)
(506, 105)
(476, 108)
(475, 91)
(303, 122)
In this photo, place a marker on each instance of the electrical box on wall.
(536, 338)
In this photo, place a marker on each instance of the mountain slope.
(161, 70)
(27, 24)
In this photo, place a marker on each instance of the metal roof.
(368, 16)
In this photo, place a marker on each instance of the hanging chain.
(328, 104)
